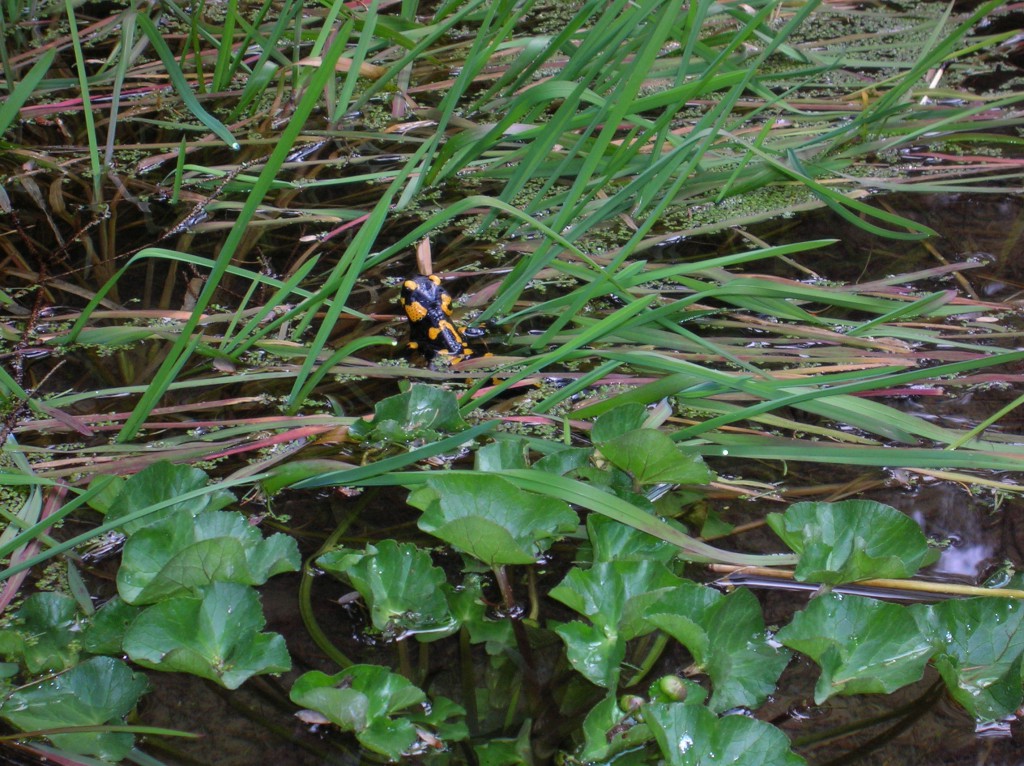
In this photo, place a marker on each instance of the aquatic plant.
(208, 214)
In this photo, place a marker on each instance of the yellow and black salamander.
(431, 329)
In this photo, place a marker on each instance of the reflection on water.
(947, 513)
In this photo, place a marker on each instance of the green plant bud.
(630, 703)
(672, 687)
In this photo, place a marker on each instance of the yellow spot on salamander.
(415, 311)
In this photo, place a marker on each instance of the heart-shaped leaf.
(565, 460)
(422, 412)
(618, 421)
(98, 691)
(45, 633)
(616, 597)
(851, 540)
(862, 645)
(691, 735)
(215, 635)
(162, 481)
(614, 541)
(491, 519)
(980, 642)
(651, 457)
(499, 455)
(727, 638)
(400, 585)
(380, 707)
(181, 554)
(105, 634)
(596, 651)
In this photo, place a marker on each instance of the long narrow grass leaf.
(181, 85)
(25, 89)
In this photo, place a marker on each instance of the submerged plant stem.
(522, 639)
(306, 586)
(652, 655)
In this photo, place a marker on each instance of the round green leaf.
(180, 554)
(162, 481)
(616, 422)
(400, 585)
(862, 645)
(45, 633)
(595, 651)
(980, 644)
(727, 638)
(614, 541)
(369, 701)
(491, 519)
(851, 540)
(422, 412)
(215, 635)
(691, 735)
(98, 691)
(651, 457)
(616, 597)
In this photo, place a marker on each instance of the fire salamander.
(431, 330)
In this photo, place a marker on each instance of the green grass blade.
(181, 86)
(24, 90)
(775, 448)
(95, 165)
(179, 353)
